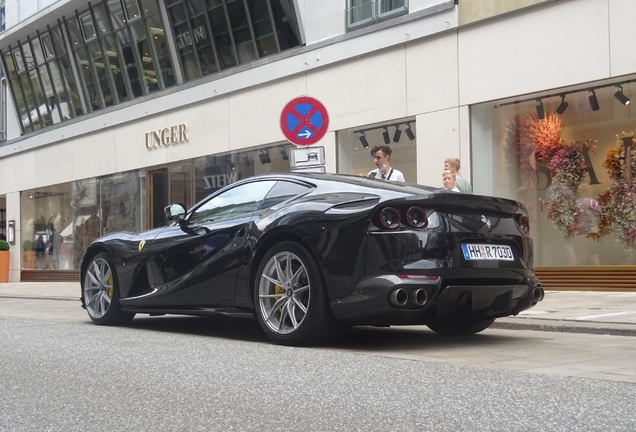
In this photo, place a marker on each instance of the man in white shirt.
(381, 156)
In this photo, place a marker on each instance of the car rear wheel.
(100, 291)
(464, 328)
(291, 301)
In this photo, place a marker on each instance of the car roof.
(354, 180)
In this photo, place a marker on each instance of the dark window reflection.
(148, 60)
(130, 62)
(221, 34)
(287, 30)
(100, 64)
(203, 43)
(115, 65)
(241, 31)
(116, 14)
(262, 25)
(101, 19)
(118, 48)
(230, 34)
(132, 10)
(161, 49)
(184, 42)
(89, 81)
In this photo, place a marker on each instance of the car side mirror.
(175, 212)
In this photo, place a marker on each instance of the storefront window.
(354, 148)
(215, 172)
(525, 148)
(59, 222)
(45, 215)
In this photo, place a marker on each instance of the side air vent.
(357, 204)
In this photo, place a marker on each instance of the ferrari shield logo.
(141, 245)
(484, 219)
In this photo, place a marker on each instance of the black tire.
(100, 292)
(463, 328)
(292, 309)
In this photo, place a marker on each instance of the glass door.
(167, 185)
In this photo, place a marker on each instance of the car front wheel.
(100, 291)
(291, 301)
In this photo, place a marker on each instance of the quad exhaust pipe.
(418, 297)
(537, 295)
(400, 297)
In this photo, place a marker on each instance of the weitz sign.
(168, 136)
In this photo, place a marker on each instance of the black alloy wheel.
(100, 292)
(290, 297)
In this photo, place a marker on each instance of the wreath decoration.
(570, 214)
(617, 203)
(529, 138)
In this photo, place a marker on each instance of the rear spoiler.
(459, 201)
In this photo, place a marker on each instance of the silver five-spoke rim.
(284, 292)
(98, 288)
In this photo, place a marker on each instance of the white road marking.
(533, 312)
(601, 316)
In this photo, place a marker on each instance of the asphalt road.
(182, 373)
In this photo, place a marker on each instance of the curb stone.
(566, 326)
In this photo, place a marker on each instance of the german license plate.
(487, 252)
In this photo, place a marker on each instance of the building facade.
(112, 109)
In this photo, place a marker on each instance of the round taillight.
(416, 217)
(389, 218)
(523, 223)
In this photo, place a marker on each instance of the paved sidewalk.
(593, 312)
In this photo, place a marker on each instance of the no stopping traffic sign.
(304, 121)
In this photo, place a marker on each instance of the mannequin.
(28, 229)
(57, 239)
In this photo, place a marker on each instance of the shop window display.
(562, 153)
(354, 148)
(44, 214)
(59, 222)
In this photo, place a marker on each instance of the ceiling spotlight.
(593, 101)
(385, 135)
(283, 153)
(397, 134)
(620, 96)
(564, 105)
(264, 157)
(540, 111)
(363, 141)
(409, 133)
(229, 162)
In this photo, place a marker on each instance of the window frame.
(377, 15)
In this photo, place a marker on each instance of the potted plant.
(4, 261)
(28, 254)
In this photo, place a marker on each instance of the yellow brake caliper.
(110, 290)
(279, 290)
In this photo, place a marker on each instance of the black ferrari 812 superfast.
(307, 254)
